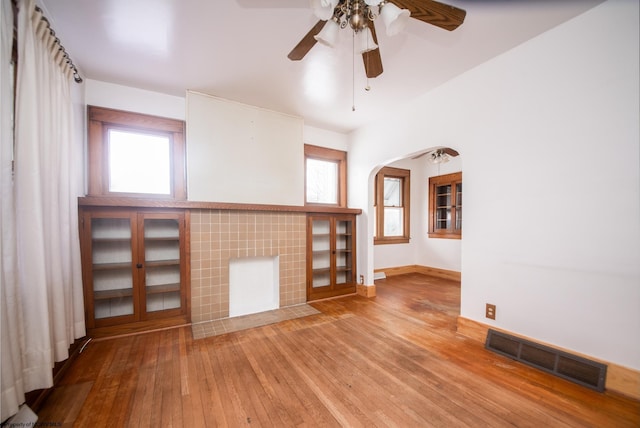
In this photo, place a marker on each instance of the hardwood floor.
(393, 360)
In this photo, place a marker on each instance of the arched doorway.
(440, 256)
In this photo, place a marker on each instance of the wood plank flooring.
(393, 360)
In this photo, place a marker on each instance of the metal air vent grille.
(567, 366)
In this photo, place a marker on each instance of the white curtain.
(12, 386)
(42, 305)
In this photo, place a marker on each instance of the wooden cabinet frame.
(338, 248)
(140, 316)
(454, 230)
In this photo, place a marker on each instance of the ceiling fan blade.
(449, 151)
(434, 13)
(372, 60)
(307, 42)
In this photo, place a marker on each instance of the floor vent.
(571, 367)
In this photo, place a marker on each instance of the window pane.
(392, 192)
(322, 181)
(443, 218)
(459, 206)
(139, 163)
(393, 224)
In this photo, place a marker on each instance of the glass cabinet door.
(134, 269)
(330, 256)
(112, 268)
(443, 207)
(162, 264)
(344, 245)
(458, 206)
(321, 253)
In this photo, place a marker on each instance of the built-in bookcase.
(134, 268)
(331, 256)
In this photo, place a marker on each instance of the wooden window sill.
(384, 241)
(445, 235)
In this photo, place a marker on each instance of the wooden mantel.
(115, 201)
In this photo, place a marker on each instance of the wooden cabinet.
(331, 255)
(135, 269)
(445, 206)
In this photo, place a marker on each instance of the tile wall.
(219, 235)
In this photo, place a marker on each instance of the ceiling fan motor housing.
(357, 18)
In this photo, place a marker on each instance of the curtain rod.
(67, 58)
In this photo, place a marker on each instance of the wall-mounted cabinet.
(445, 206)
(331, 255)
(135, 269)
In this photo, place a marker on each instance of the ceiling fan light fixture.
(394, 18)
(328, 36)
(372, 2)
(364, 40)
(439, 156)
(323, 9)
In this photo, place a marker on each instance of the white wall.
(243, 154)
(110, 95)
(549, 137)
(325, 138)
(288, 190)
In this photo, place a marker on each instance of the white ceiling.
(237, 49)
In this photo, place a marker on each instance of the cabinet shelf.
(320, 271)
(156, 263)
(163, 288)
(111, 239)
(337, 251)
(162, 238)
(112, 266)
(112, 294)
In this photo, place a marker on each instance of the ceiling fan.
(360, 15)
(441, 155)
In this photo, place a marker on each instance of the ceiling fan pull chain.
(353, 72)
(367, 88)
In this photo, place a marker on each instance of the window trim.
(405, 176)
(440, 180)
(331, 155)
(101, 119)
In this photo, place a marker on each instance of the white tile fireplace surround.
(248, 240)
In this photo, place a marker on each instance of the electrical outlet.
(361, 279)
(490, 311)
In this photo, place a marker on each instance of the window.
(445, 206)
(392, 206)
(326, 176)
(135, 155)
